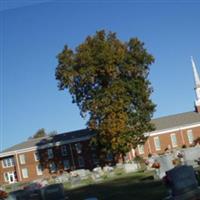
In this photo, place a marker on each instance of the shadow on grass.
(126, 188)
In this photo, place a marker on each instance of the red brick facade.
(35, 163)
(168, 140)
(25, 167)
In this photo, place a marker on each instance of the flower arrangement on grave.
(156, 165)
(179, 155)
(176, 161)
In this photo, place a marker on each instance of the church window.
(190, 136)
(157, 143)
(173, 140)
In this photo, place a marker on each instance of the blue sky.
(32, 33)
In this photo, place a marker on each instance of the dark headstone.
(35, 195)
(183, 182)
(53, 192)
(18, 195)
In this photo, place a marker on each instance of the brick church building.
(53, 155)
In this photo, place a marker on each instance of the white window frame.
(78, 147)
(36, 156)
(22, 159)
(173, 138)
(157, 143)
(25, 172)
(140, 148)
(50, 153)
(8, 162)
(64, 150)
(39, 169)
(190, 136)
(66, 164)
(52, 167)
(6, 176)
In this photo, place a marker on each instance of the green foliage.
(107, 79)
(52, 133)
(40, 133)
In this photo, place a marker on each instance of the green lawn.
(134, 186)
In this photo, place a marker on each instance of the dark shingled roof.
(177, 120)
(161, 123)
(51, 139)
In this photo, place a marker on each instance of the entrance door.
(11, 177)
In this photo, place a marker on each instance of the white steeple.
(197, 85)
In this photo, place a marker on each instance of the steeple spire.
(197, 85)
(196, 75)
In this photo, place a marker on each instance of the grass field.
(136, 186)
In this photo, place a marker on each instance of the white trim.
(140, 148)
(173, 130)
(7, 178)
(11, 160)
(35, 157)
(18, 167)
(25, 172)
(11, 153)
(190, 136)
(39, 170)
(22, 159)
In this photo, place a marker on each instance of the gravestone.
(75, 180)
(82, 173)
(18, 195)
(165, 164)
(183, 183)
(190, 155)
(35, 195)
(53, 192)
(130, 167)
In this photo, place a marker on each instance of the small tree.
(40, 133)
(52, 133)
(107, 79)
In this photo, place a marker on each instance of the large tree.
(108, 80)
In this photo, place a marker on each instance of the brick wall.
(79, 155)
(26, 163)
(165, 139)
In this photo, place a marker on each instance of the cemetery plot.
(183, 183)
